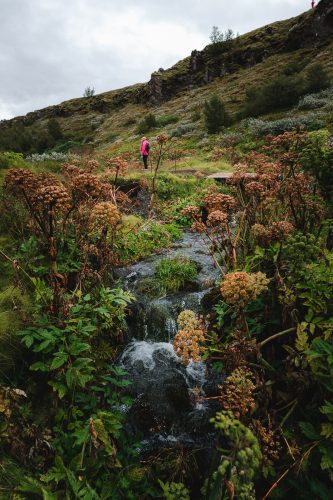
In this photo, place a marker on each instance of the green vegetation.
(147, 123)
(173, 275)
(139, 241)
(216, 116)
(285, 90)
(164, 120)
(71, 423)
(89, 92)
(267, 333)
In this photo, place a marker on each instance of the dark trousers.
(145, 161)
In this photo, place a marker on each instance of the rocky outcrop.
(155, 89)
(313, 28)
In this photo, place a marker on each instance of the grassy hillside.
(109, 120)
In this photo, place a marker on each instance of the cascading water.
(169, 398)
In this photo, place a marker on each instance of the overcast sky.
(51, 50)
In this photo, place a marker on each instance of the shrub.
(195, 116)
(52, 156)
(317, 159)
(147, 123)
(317, 78)
(183, 129)
(216, 116)
(170, 186)
(164, 120)
(89, 92)
(66, 146)
(10, 159)
(231, 139)
(281, 93)
(141, 241)
(285, 90)
(173, 274)
(317, 100)
(259, 128)
(54, 129)
(295, 67)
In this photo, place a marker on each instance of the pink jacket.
(143, 148)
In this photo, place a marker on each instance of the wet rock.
(159, 384)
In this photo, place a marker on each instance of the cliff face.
(314, 30)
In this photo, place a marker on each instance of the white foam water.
(141, 350)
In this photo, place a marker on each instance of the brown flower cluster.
(122, 198)
(288, 141)
(43, 192)
(269, 442)
(198, 226)
(240, 288)
(254, 188)
(191, 211)
(52, 196)
(263, 182)
(83, 185)
(217, 154)
(104, 215)
(237, 392)
(191, 332)
(278, 231)
(143, 183)
(236, 352)
(161, 139)
(219, 201)
(18, 179)
(261, 234)
(217, 218)
(281, 230)
(92, 165)
(240, 174)
(117, 165)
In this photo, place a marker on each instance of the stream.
(170, 405)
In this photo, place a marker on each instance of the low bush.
(173, 210)
(164, 120)
(173, 275)
(280, 93)
(231, 139)
(10, 159)
(317, 78)
(318, 100)
(216, 115)
(285, 90)
(183, 129)
(133, 244)
(171, 186)
(65, 147)
(52, 156)
(259, 128)
(195, 116)
(147, 123)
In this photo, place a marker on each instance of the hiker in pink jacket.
(144, 150)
